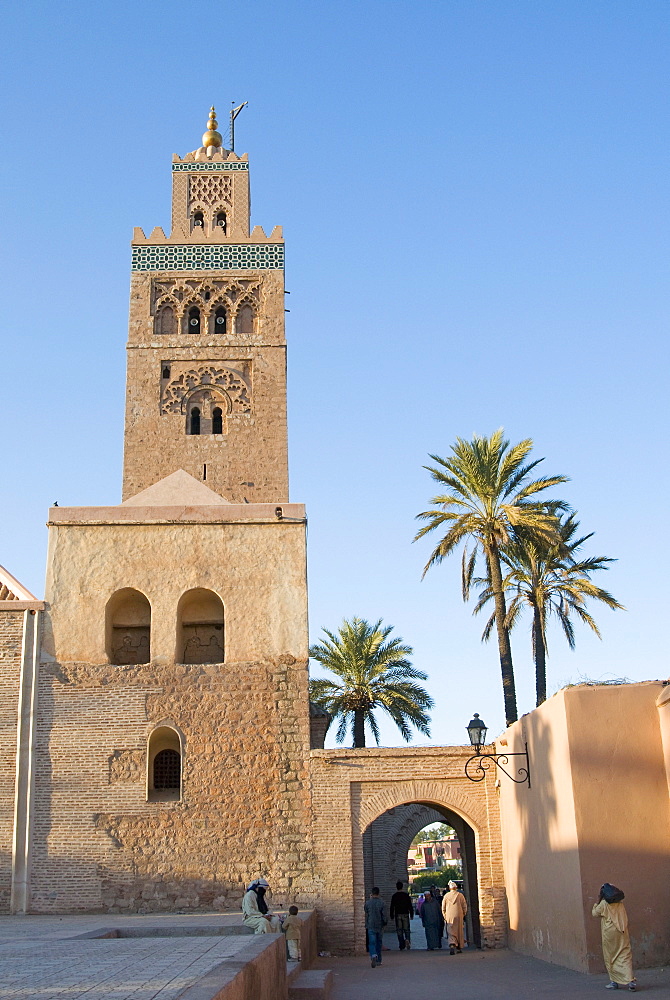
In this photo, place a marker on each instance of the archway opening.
(128, 628)
(200, 631)
(446, 841)
(164, 765)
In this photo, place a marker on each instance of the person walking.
(437, 896)
(402, 912)
(616, 942)
(454, 908)
(375, 922)
(431, 918)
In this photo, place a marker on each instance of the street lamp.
(477, 765)
(477, 731)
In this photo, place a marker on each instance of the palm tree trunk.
(540, 656)
(359, 729)
(504, 646)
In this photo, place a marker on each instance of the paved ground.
(474, 975)
(40, 958)
(139, 969)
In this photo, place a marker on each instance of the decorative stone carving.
(209, 190)
(227, 383)
(203, 643)
(130, 644)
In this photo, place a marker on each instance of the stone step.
(312, 984)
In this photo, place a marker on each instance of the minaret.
(206, 378)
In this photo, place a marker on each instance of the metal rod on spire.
(233, 115)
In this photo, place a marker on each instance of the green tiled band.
(217, 257)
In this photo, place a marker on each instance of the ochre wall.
(11, 636)
(542, 870)
(622, 811)
(598, 811)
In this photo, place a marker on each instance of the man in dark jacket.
(375, 922)
(403, 911)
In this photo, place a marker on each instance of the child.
(291, 928)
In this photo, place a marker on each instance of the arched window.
(197, 221)
(128, 628)
(166, 371)
(217, 420)
(164, 765)
(244, 322)
(219, 323)
(164, 320)
(220, 221)
(193, 320)
(194, 421)
(200, 631)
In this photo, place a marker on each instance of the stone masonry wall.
(245, 810)
(11, 639)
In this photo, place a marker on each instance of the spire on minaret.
(211, 137)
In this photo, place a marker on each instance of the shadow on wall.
(544, 877)
(597, 812)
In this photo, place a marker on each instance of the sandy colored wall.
(11, 638)
(258, 571)
(597, 811)
(622, 811)
(245, 809)
(542, 870)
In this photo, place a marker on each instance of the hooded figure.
(616, 942)
(255, 909)
(431, 918)
(454, 908)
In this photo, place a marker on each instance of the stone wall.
(245, 806)
(250, 458)
(11, 638)
(244, 810)
(352, 788)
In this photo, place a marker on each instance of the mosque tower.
(166, 759)
(206, 384)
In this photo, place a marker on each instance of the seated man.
(255, 909)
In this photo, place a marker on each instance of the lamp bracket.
(478, 771)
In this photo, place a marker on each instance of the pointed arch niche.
(164, 764)
(128, 627)
(200, 627)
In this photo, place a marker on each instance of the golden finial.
(211, 137)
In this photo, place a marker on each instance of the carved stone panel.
(202, 643)
(231, 385)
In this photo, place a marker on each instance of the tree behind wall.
(373, 672)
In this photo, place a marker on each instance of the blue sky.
(475, 204)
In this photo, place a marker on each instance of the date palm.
(487, 497)
(374, 672)
(549, 580)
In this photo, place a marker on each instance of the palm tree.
(548, 579)
(488, 500)
(374, 672)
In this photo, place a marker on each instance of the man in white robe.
(262, 923)
(454, 908)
